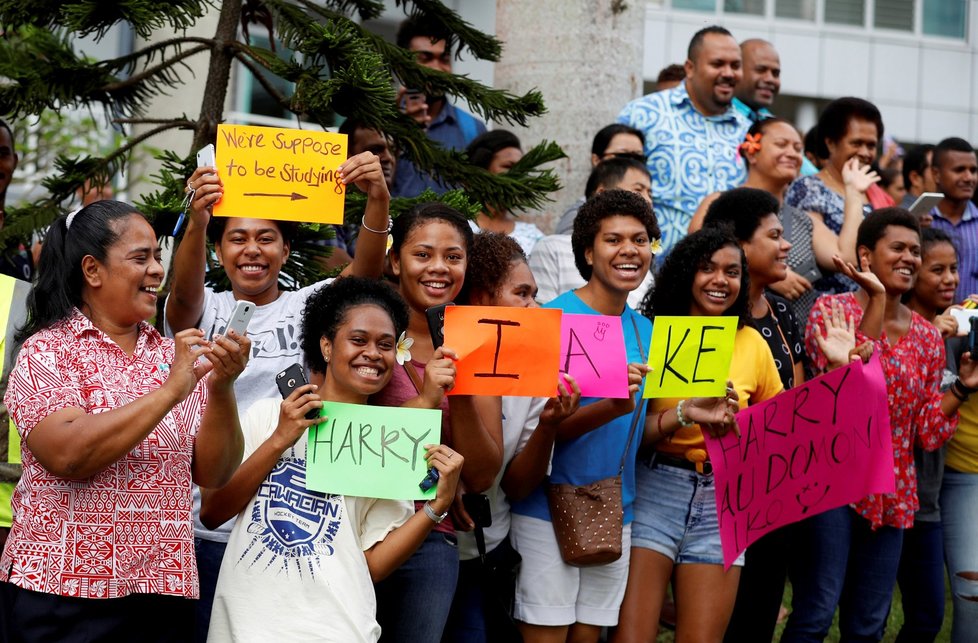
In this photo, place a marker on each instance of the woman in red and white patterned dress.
(115, 421)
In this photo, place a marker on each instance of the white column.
(585, 56)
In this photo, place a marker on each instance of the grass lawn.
(892, 627)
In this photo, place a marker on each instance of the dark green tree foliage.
(343, 69)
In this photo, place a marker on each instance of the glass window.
(799, 9)
(753, 7)
(695, 5)
(894, 14)
(945, 18)
(845, 12)
(255, 99)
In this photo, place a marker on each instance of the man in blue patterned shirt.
(692, 132)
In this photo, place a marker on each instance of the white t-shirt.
(274, 331)
(553, 267)
(294, 568)
(520, 418)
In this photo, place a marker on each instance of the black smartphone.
(973, 337)
(436, 323)
(289, 380)
(477, 506)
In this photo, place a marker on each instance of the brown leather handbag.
(587, 518)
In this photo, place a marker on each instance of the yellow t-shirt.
(962, 449)
(755, 378)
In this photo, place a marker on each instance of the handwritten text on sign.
(592, 349)
(690, 356)
(371, 451)
(503, 350)
(278, 173)
(815, 447)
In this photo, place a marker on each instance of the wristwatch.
(435, 518)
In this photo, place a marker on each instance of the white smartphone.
(962, 316)
(925, 203)
(240, 317)
(206, 156)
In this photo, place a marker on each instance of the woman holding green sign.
(676, 529)
(300, 563)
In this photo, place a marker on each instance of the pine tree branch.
(156, 69)
(480, 45)
(256, 72)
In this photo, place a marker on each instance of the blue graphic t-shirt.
(294, 566)
(597, 454)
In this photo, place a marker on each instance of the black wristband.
(966, 390)
(962, 397)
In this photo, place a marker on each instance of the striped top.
(965, 236)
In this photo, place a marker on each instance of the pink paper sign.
(818, 446)
(592, 349)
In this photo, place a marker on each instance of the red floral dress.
(912, 369)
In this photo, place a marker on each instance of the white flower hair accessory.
(404, 344)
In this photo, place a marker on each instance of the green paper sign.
(690, 356)
(371, 451)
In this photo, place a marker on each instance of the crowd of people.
(163, 497)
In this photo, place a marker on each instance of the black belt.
(703, 468)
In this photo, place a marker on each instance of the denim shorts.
(676, 514)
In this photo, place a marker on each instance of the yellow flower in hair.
(404, 344)
(655, 246)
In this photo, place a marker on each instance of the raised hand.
(185, 371)
(364, 171)
(840, 334)
(207, 190)
(228, 357)
(439, 376)
(857, 176)
(449, 466)
(867, 280)
(715, 415)
(564, 404)
(292, 421)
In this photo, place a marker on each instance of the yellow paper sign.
(279, 173)
(690, 356)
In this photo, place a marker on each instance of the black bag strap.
(638, 400)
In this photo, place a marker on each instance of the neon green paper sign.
(690, 356)
(371, 451)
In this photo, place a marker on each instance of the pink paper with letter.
(592, 349)
(821, 445)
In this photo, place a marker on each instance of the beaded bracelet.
(683, 422)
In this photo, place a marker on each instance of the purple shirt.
(964, 233)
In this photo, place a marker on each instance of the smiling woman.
(252, 252)
(97, 394)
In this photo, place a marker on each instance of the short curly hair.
(673, 293)
(741, 211)
(326, 309)
(490, 259)
(610, 203)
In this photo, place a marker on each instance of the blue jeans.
(414, 601)
(921, 579)
(959, 515)
(209, 554)
(483, 605)
(841, 562)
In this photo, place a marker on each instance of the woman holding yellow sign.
(252, 253)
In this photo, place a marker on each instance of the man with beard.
(956, 175)
(692, 132)
(761, 82)
(451, 127)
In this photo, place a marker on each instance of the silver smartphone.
(240, 317)
(925, 203)
(206, 156)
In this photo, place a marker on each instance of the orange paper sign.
(278, 173)
(504, 351)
